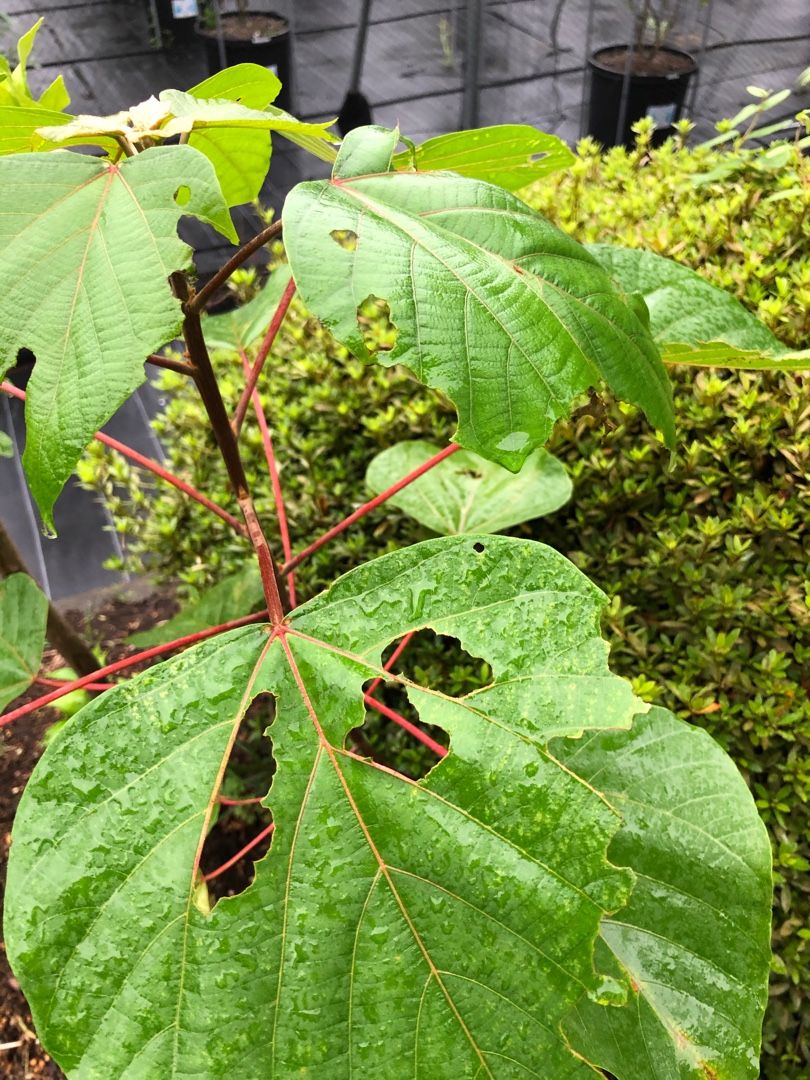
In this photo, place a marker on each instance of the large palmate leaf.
(23, 614)
(694, 938)
(692, 321)
(236, 595)
(87, 248)
(465, 493)
(238, 329)
(510, 155)
(440, 928)
(493, 304)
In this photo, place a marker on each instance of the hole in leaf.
(374, 318)
(538, 156)
(182, 195)
(345, 238)
(478, 547)
(431, 660)
(248, 775)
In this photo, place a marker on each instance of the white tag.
(663, 115)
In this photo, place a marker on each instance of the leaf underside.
(466, 493)
(87, 251)
(23, 614)
(443, 928)
(510, 155)
(493, 304)
(692, 321)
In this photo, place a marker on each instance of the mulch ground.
(21, 1055)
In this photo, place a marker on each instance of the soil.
(21, 1056)
(646, 61)
(248, 27)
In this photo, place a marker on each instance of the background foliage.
(704, 553)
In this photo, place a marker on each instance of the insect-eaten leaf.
(439, 928)
(694, 322)
(693, 941)
(509, 155)
(493, 305)
(76, 297)
(466, 493)
(23, 614)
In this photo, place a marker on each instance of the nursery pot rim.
(232, 17)
(609, 72)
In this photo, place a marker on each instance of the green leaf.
(20, 113)
(694, 938)
(241, 158)
(256, 86)
(19, 128)
(235, 138)
(692, 321)
(6, 445)
(510, 155)
(23, 614)
(493, 305)
(87, 249)
(439, 928)
(238, 329)
(236, 595)
(465, 493)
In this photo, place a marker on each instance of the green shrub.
(704, 552)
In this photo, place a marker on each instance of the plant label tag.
(185, 9)
(662, 115)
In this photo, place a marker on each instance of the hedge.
(704, 553)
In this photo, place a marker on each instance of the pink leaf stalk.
(151, 466)
(366, 508)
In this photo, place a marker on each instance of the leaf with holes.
(238, 329)
(87, 249)
(23, 614)
(442, 926)
(694, 939)
(465, 493)
(510, 155)
(493, 305)
(694, 322)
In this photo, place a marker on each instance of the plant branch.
(60, 633)
(128, 662)
(235, 858)
(208, 387)
(151, 466)
(264, 349)
(422, 736)
(179, 366)
(366, 508)
(197, 302)
(275, 482)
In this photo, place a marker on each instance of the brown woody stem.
(180, 366)
(197, 301)
(215, 407)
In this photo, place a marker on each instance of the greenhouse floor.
(412, 76)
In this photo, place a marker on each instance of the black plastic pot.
(659, 95)
(271, 52)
